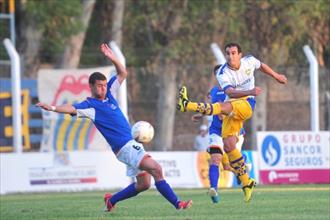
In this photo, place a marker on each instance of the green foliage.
(57, 20)
(272, 30)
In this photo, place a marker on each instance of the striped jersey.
(241, 79)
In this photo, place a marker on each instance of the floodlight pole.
(314, 87)
(16, 94)
(122, 94)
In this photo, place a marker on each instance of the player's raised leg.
(205, 108)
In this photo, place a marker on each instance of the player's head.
(98, 84)
(233, 53)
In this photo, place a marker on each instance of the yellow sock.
(205, 108)
(237, 162)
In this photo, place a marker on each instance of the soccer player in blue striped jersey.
(102, 108)
(236, 77)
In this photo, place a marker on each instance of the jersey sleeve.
(224, 80)
(113, 85)
(254, 61)
(84, 110)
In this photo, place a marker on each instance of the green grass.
(277, 202)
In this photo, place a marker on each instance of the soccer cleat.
(248, 189)
(183, 99)
(184, 204)
(108, 205)
(214, 195)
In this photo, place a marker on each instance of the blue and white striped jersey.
(241, 79)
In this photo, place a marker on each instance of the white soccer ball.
(143, 131)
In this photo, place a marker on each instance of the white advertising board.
(30, 172)
(99, 170)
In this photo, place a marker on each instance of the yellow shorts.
(233, 123)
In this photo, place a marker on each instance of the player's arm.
(227, 86)
(121, 70)
(269, 71)
(234, 93)
(66, 109)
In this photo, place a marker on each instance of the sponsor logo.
(62, 172)
(248, 71)
(271, 150)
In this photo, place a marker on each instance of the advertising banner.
(100, 170)
(294, 157)
(179, 168)
(69, 171)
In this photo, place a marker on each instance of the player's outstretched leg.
(205, 108)
(111, 200)
(155, 170)
(142, 183)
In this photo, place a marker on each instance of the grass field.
(278, 202)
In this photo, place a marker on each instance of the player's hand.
(44, 106)
(281, 79)
(197, 117)
(256, 91)
(106, 50)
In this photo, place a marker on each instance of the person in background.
(202, 139)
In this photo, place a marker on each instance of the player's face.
(233, 57)
(99, 89)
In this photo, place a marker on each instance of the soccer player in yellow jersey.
(236, 77)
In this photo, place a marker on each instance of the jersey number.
(136, 147)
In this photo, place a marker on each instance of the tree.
(169, 28)
(72, 51)
(117, 21)
(312, 18)
(44, 27)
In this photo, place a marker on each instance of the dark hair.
(96, 76)
(215, 69)
(239, 49)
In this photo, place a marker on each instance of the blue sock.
(126, 193)
(214, 176)
(165, 189)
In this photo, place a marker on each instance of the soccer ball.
(143, 131)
